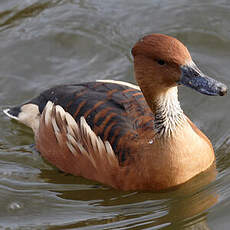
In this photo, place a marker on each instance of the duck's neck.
(168, 113)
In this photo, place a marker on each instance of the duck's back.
(117, 113)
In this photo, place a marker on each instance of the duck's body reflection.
(183, 208)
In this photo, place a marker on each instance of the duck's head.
(162, 62)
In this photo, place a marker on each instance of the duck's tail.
(28, 114)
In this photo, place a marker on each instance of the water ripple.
(49, 42)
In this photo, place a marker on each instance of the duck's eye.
(160, 62)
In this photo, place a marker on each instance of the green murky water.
(44, 43)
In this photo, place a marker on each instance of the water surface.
(45, 43)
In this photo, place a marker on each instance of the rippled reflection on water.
(44, 43)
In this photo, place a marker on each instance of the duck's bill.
(192, 77)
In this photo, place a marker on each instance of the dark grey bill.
(192, 77)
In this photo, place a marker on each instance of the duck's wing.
(101, 121)
(116, 111)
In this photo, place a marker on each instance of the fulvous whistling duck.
(121, 135)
